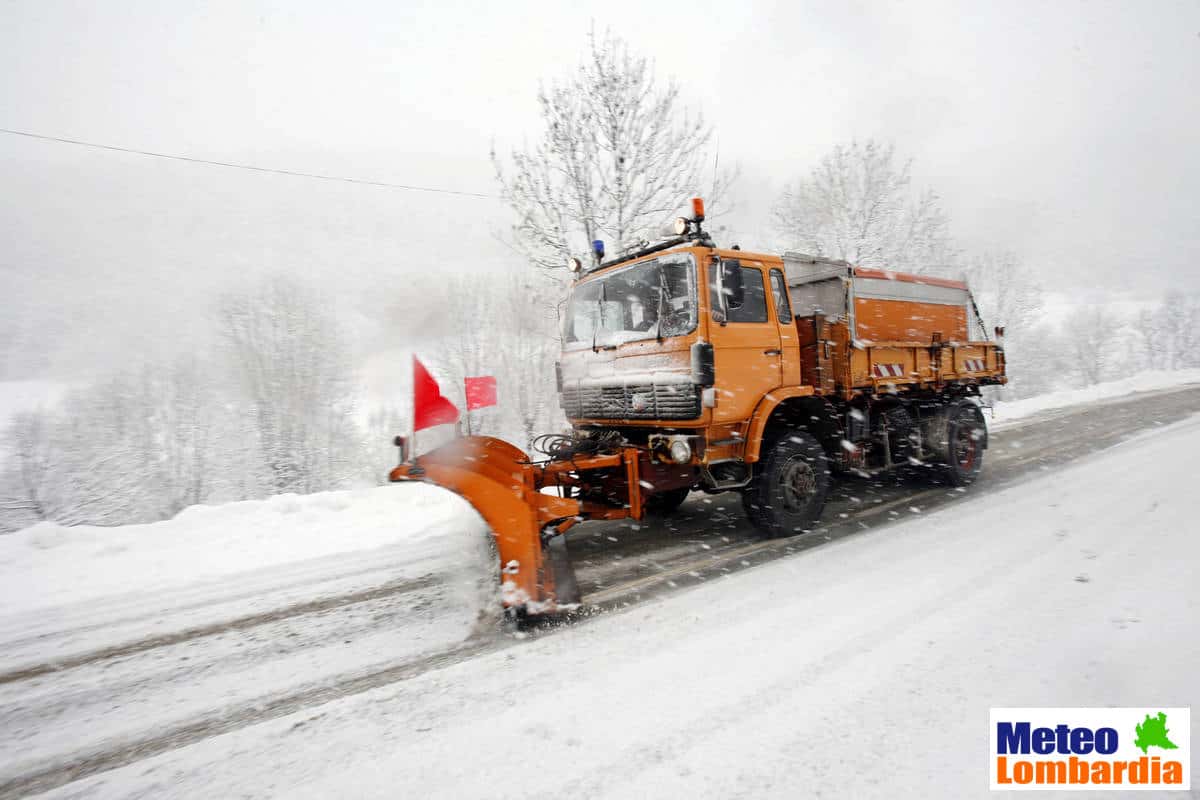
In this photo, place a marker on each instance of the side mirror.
(733, 288)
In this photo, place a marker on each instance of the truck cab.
(656, 345)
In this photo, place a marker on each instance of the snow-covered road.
(864, 667)
(182, 628)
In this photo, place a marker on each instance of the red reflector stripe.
(888, 370)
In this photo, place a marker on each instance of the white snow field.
(864, 668)
(1007, 413)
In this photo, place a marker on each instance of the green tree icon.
(1152, 732)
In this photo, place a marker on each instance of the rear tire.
(665, 503)
(788, 494)
(965, 437)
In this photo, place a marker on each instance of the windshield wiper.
(600, 299)
(662, 299)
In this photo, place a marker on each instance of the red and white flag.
(430, 407)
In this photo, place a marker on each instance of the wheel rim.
(965, 447)
(797, 484)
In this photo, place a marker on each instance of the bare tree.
(1090, 331)
(1007, 293)
(184, 417)
(858, 205)
(104, 455)
(128, 448)
(1171, 332)
(379, 452)
(26, 480)
(1005, 289)
(529, 350)
(618, 155)
(505, 328)
(291, 360)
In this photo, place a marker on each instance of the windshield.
(648, 300)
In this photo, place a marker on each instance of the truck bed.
(834, 363)
(871, 330)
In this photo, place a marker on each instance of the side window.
(779, 296)
(754, 308)
(754, 304)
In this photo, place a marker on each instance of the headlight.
(574, 264)
(681, 452)
(681, 226)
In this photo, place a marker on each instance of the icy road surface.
(862, 666)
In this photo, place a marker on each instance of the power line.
(250, 167)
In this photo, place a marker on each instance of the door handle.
(772, 352)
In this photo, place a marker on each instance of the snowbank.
(1150, 381)
(50, 565)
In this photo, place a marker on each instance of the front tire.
(788, 495)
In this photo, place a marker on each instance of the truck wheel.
(667, 502)
(964, 434)
(787, 496)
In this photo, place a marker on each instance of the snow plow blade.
(504, 487)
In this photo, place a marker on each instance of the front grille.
(634, 401)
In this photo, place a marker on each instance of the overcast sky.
(1067, 131)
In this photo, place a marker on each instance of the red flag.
(429, 407)
(481, 392)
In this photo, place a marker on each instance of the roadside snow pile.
(49, 565)
(1150, 381)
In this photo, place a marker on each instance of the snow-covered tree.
(379, 451)
(26, 480)
(1171, 332)
(131, 447)
(619, 154)
(530, 349)
(858, 205)
(1009, 294)
(1090, 331)
(505, 329)
(1005, 289)
(103, 454)
(186, 417)
(290, 359)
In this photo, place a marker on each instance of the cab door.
(789, 341)
(746, 344)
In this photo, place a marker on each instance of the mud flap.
(566, 587)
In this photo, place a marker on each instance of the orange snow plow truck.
(689, 367)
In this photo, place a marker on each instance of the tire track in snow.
(225, 626)
(131, 609)
(119, 754)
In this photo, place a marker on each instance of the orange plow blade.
(504, 487)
